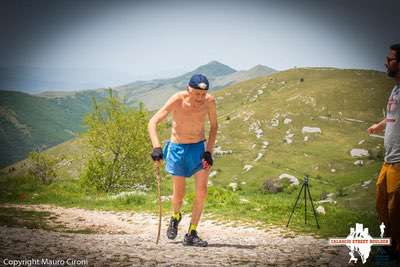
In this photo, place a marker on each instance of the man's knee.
(178, 196)
(201, 193)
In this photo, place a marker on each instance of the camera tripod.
(306, 190)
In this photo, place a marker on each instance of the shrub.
(118, 157)
(42, 166)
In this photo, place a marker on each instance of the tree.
(119, 146)
(42, 166)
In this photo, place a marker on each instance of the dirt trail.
(128, 239)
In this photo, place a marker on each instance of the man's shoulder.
(210, 98)
(176, 97)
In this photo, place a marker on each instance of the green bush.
(42, 166)
(119, 147)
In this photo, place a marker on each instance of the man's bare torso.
(188, 119)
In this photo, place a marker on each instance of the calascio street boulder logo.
(359, 240)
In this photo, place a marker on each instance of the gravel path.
(128, 239)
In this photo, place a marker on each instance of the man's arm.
(212, 115)
(158, 117)
(378, 127)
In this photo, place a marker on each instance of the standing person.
(388, 182)
(187, 153)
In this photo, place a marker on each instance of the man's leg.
(201, 184)
(177, 200)
(393, 189)
(178, 193)
(191, 238)
(382, 201)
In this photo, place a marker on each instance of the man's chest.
(191, 113)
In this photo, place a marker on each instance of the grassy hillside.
(261, 123)
(52, 117)
(29, 121)
(342, 103)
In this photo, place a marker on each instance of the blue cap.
(199, 81)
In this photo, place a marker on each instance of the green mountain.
(243, 75)
(52, 117)
(155, 92)
(28, 121)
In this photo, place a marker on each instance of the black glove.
(157, 154)
(207, 158)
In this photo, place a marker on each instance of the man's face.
(198, 95)
(392, 66)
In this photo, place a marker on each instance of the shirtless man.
(187, 153)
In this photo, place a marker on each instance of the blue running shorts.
(183, 159)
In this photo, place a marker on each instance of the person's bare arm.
(212, 115)
(378, 127)
(158, 117)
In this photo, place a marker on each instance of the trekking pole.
(159, 199)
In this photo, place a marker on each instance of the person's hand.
(376, 128)
(207, 160)
(157, 154)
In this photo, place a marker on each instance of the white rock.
(333, 170)
(359, 152)
(247, 168)
(327, 201)
(253, 146)
(165, 198)
(275, 120)
(366, 183)
(260, 92)
(256, 128)
(247, 115)
(305, 138)
(288, 138)
(233, 185)
(307, 129)
(259, 133)
(243, 200)
(218, 151)
(125, 194)
(353, 120)
(259, 156)
(243, 182)
(287, 121)
(265, 144)
(293, 180)
(212, 174)
(321, 210)
(359, 162)
(361, 142)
